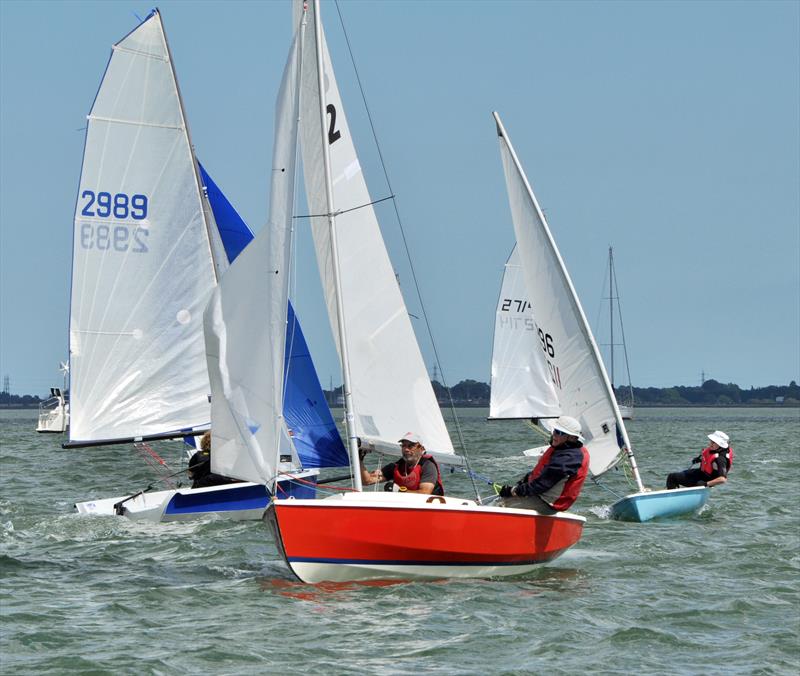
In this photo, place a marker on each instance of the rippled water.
(710, 594)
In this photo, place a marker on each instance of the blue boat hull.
(649, 505)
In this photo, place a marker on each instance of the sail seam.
(137, 123)
(137, 52)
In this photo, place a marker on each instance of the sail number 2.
(114, 236)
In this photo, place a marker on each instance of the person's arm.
(561, 466)
(721, 473)
(376, 476)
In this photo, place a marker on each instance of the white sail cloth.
(142, 267)
(573, 360)
(391, 390)
(245, 324)
(521, 386)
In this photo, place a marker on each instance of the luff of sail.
(391, 391)
(245, 325)
(140, 233)
(521, 382)
(577, 371)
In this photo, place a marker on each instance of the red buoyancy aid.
(707, 458)
(572, 487)
(412, 480)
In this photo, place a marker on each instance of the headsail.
(521, 384)
(572, 356)
(245, 325)
(141, 233)
(391, 390)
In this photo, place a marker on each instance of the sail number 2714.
(114, 236)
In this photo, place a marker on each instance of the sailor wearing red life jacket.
(415, 472)
(556, 481)
(715, 461)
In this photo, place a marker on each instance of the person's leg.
(689, 477)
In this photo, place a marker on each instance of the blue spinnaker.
(307, 414)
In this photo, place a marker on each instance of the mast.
(352, 444)
(611, 310)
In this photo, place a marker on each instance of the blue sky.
(669, 130)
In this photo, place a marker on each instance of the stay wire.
(408, 253)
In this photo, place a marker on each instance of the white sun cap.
(567, 424)
(411, 438)
(720, 439)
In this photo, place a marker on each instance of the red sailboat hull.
(366, 536)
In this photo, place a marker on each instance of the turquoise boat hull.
(649, 505)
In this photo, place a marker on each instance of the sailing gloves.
(502, 491)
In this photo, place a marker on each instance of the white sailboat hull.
(626, 412)
(239, 501)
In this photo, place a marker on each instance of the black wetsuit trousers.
(689, 477)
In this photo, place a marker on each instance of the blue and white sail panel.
(233, 231)
(314, 432)
(245, 326)
(142, 270)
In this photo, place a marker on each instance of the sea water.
(713, 593)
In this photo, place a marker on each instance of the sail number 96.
(120, 205)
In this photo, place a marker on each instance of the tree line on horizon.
(710, 393)
(475, 393)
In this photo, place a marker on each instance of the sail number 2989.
(119, 206)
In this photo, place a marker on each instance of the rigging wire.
(408, 253)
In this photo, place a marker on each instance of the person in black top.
(715, 463)
(415, 472)
(200, 466)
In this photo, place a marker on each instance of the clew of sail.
(573, 361)
(140, 232)
(245, 325)
(521, 383)
(391, 391)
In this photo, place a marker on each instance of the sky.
(668, 130)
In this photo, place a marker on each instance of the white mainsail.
(391, 390)
(245, 324)
(572, 356)
(521, 383)
(141, 234)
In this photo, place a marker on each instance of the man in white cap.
(415, 472)
(556, 481)
(715, 461)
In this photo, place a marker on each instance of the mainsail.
(572, 357)
(390, 388)
(521, 384)
(141, 233)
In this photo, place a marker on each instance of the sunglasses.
(560, 433)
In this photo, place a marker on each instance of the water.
(709, 594)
